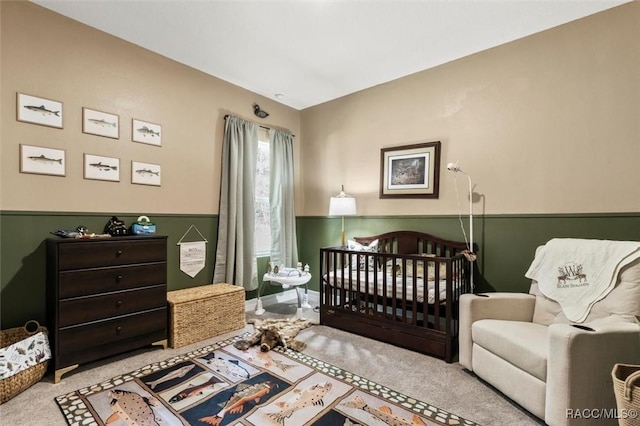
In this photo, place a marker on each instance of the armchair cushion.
(524, 344)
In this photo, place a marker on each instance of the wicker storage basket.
(626, 385)
(12, 386)
(199, 313)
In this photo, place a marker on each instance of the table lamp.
(342, 205)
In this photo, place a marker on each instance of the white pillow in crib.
(361, 260)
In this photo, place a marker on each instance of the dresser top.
(121, 238)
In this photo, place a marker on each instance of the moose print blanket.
(577, 273)
(221, 385)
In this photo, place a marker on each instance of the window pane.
(262, 171)
(263, 228)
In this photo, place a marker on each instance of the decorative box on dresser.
(105, 296)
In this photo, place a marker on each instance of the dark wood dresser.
(105, 297)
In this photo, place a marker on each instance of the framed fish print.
(410, 171)
(42, 161)
(35, 110)
(100, 123)
(145, 132)
(101, 168)
(145, 173)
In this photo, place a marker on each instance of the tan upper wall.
(47, 55)
(546, 124)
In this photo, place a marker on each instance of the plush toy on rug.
(271, 333)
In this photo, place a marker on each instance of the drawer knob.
(118, 303)
(118, 330)
(119, 253)
(119, 278)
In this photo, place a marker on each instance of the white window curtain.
(284, 248)
(235, 253)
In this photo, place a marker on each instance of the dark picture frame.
(410, 171)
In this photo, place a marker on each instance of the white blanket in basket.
(577, 273)
(24, 354)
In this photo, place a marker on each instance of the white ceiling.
(313, 51)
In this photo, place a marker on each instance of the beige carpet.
(446, 386)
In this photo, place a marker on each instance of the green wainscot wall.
(506, 245)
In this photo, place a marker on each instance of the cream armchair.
(524, 346)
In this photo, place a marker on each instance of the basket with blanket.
(24, 355)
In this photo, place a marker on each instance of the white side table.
(287, 277)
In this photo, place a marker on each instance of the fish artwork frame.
(42, 161)
(100, 123)
(146, 173)
(97, 167)
(37, 110)
(146, 132)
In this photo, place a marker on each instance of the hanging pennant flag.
(193, 257)
(193, 254)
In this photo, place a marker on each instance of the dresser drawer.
(85, 282)
(89, 254)
(104, 338)
(85, 309)
(72, 339)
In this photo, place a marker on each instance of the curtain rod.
(260, 125)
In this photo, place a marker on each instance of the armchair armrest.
(580, 363)
(504, 306)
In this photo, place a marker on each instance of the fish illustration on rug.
(194, 390)
(175, 374)
(227, 367)
(384, 413)
(41, 109)
(267, 361)
(310, 396)
(236, 403)
(132, 408)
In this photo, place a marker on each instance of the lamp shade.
(342, 205)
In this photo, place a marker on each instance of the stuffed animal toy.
(272, 333)
(267, 339)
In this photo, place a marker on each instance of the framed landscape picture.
(145, 173)
(43, 161)
(100, 123)
(98, 167)
(36, 110)
(145, 132)
(410, 171)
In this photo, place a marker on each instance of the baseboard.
(288, 296)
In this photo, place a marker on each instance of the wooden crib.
(405, 293)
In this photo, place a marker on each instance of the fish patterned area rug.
(221, 385)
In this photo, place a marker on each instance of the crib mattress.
(368, 284)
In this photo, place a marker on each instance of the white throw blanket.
(577, 273)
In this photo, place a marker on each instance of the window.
(263, 225)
